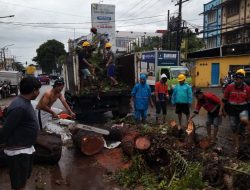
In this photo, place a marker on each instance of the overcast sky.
(27, 33)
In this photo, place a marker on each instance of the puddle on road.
(74, 172)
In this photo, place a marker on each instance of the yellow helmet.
(85, 44)
(108, 45)
(181, 77)
(241, 71)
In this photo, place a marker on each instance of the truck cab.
(172, 73)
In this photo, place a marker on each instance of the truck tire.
(117, 114)
(16, 91)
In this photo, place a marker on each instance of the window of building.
(232, 9)
(212, 16)
(211, 42)
(233, 38)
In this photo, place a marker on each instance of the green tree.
(148, 44)
(194, 42)
(48, 54)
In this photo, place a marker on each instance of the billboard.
(168, 58)
(103, 18)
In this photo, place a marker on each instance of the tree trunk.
(128, 142)
(142, 143)
(48, 148)
(89, 142)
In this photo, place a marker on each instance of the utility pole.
(168, 32)
(178, 39)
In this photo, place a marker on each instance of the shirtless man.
(44, 105)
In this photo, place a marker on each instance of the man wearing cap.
(110, 64)
(236, 100)
(161, 96)
(84, 63)
(211, 103)
(44, 106)
(182, 98)
(141, 95)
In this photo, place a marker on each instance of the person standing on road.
(109, 61)
(19, 133)
(161, 96)
(236, 100)
(44, 106)
(182, 98)
(141, 96)
(211, 103)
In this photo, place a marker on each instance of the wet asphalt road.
(78, 172)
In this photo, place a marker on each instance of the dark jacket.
(21, 126)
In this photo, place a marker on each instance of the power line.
(50, 11)
(143, 23)
(69, 23)
(140, 8)
(29, 25)
(132, 8)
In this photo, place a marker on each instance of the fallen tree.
(88, 142)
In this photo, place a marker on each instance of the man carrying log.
(141, 96)
(48, 99)
(211, 103)
(20, 132)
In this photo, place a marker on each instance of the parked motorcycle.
(4, 89)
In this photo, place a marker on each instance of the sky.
(37, 21)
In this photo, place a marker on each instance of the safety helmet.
(85, 44)
(164, 76)
(108, 45)
(181, 77)
(241, 71)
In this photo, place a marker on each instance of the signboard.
(148, 66)
(103, 18)
(167, 58)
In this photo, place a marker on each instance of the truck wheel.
(16, 91)
(116, 114)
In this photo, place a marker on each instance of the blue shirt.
(182, 94)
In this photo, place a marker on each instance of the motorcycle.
(4, 89)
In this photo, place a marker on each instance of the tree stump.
(48, 148)
(128, 142)
(142, 143)
(90, 143)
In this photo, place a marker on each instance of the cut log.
(48, 148)
(90, 143)
(142, 143)
(204, 143)
(128, 142)
(190, 139)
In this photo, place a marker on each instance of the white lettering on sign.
(170, 55)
